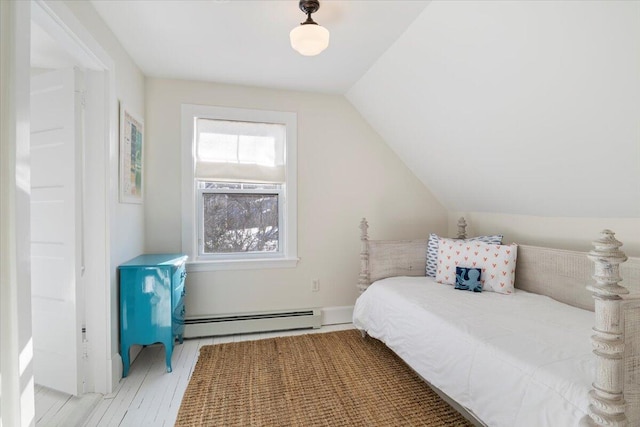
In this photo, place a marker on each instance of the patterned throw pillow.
(433, 244)
(468, 279)
(432, 255)
(497, 263)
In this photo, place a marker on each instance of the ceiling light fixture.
(309, 38)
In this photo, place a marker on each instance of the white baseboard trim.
(337, 315)
(115, 373)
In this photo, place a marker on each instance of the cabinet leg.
(168, 350)
(125, 360)
(180, 338)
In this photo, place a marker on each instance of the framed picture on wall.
(131, 161)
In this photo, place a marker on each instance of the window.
(239, 218)
(239, 188)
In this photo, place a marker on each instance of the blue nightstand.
(152, 303)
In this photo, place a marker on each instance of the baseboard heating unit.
(251, 323)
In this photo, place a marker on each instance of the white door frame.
(17, 406)
(104, 362)
(16, 370)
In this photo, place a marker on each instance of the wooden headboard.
(380, 259)
(564, 275)
(560, 274)
(557, 273)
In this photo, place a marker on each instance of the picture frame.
(131, 157)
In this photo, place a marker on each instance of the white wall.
(519, 107)
(345, 172)
(556, 232)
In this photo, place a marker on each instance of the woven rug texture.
(326, 379)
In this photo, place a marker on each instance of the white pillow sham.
(498, 263)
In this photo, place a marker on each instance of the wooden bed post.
(607, 404)
(462, 228)
(363, 280)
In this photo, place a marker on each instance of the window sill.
(242, 264)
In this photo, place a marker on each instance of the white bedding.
(513, 360)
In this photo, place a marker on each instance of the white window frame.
(287, 257)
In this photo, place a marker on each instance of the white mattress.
(513, 360)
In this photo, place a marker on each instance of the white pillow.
(434, 241)
(498, 263)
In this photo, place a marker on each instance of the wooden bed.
(568, 277)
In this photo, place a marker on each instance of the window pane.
(240, 223)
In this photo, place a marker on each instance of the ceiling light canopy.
(309, 38)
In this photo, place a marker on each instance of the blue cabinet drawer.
(152, 289)
(178, 318)
(179, 291)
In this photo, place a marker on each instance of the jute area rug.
(328, 379)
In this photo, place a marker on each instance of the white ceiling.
(512, 107)
(247, 42)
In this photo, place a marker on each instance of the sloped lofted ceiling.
(516, 107)
(247, 42)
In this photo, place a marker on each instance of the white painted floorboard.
(149, 396)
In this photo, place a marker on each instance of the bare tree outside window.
(240, 222)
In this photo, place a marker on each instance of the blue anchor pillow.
(468, 279)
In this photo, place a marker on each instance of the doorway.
(72, 91)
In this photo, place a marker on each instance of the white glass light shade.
(309, 39)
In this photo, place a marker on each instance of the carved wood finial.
(364, 227)
(363, 279)
(607, 404)
(462, 228)
(607, 257)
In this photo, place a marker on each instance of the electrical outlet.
(315, 286)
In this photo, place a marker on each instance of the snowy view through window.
(240, 222)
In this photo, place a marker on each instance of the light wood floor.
(148, 396)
